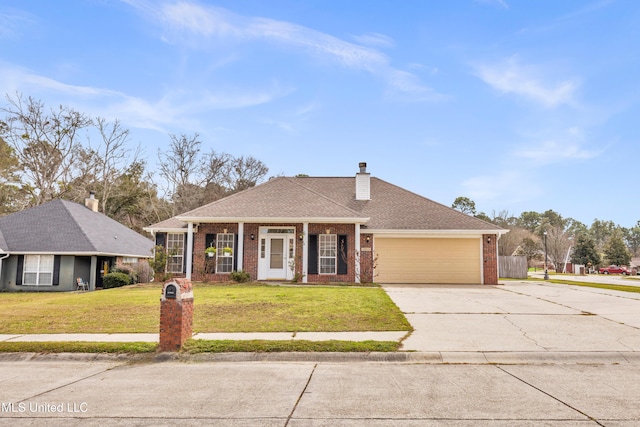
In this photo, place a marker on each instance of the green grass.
(200, 346)
(623, 288)
(217, 308)
(78, 347)
(264, 346)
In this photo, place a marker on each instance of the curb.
(433, 358)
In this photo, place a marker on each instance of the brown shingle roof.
(394, 208)
(390, 208)
(277, 198)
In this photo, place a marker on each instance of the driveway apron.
(518, 317)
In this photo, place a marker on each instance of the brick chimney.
(363, 183)
(91, 202)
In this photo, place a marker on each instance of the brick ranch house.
(330, 229)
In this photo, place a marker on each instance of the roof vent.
(363, 183)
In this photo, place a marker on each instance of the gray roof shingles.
(390, 208)
(62, 226)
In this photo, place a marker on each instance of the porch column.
(93, 276)
(240, 250)
(189, 250)
(305, 251)
(357, 256)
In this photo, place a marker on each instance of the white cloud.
(175, 107)
(13, 22)
(566, 145)
(374, 39)
(203, 25)
(512, 78)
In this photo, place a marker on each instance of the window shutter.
(209, 240)
(235, 252)
(343, 254)
(20, 269)
(161, 239)
(56, 270)
(312, 268)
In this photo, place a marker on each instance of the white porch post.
(240, 250)
(189, 250)
(93, 276)
(305, 251)
(357, 256)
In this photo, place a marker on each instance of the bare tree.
(246, 172)
(194, 179)
(12, 198)
(558, 244)
(45, 143)
(182, 167)
(114, 157)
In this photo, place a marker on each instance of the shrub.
(139, 272)
(115, 280)
(143, 271)
(128, 270)
(240, 276)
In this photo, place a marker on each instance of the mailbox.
(171, 291)
(176, 314)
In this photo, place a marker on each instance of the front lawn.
(218, 308)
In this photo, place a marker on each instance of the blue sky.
(518, 105)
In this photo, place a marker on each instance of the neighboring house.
(352, 229)
(47, 247)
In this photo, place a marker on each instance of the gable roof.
(64, 227)
(332, 199)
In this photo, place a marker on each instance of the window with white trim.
(175, 252)
(327, 251)
(129, 260)
(38, 270)
(225, 243)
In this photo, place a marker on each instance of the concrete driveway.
(536, 320)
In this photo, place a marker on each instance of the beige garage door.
(404, 260)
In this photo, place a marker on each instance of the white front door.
(277, 248)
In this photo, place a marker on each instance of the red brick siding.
(490, 258)
(349, 230)
(200, 258)
(252, 251)
(366, 258)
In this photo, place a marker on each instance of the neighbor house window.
(328, 249)
(175, 252)
(129, 260)
(225, 248)
(38, 270)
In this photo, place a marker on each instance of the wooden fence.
(513, 267)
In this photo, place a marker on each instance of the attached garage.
(428, 260)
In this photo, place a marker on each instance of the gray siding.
(71, 267)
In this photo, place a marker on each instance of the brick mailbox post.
(176, 314)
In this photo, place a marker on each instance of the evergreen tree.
(616, 251)
(584, 251)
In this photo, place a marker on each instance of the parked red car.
(613, 269)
